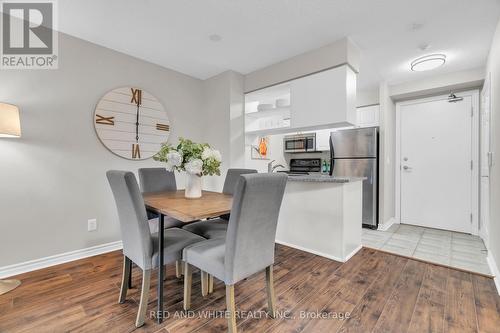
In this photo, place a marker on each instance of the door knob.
(405, 167)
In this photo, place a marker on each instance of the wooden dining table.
(176, 205)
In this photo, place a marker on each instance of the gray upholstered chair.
(249, 243)
(139, 245)
(153, 180)
(230, 182)
(216, 228)
(232, 178)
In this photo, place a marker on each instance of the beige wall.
(224, 126)
(52, 180)
(493, 68)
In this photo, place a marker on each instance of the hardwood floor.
(378, 292)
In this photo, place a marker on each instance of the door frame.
(485, 108)
(474, 94)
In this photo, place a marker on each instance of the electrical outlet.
(92, 225)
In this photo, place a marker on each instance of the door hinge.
(471, 218)
(472, 165)
(472, 111)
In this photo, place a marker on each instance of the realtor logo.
(29, 36)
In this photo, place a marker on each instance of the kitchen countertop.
(322, 178)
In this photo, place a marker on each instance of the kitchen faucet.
(271, 168)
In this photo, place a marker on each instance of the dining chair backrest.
(157, 180)
(251, 231)
(137, 241)
(232, 177)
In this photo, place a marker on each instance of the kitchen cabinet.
(325, 98)
(367, 116)
(322, 100)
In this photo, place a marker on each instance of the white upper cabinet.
(367, 116)
(324, 99)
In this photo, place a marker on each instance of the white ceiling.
(257, 33)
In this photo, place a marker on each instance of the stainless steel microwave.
(300, 143)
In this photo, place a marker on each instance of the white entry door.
(435, 158)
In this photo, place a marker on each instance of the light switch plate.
(92, 225)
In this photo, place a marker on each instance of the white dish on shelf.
(282, 103)
(265, 107)
(274, 112)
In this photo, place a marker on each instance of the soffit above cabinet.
(341, 52)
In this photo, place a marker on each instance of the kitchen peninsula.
(291, 115)
(322, 215)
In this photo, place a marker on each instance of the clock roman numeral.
(162, 127)
(104, 120)
(136, 152)
(136, 96)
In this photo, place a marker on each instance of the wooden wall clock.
(131, 123)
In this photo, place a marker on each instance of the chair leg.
(188, 279)
(127, 265)
(130, 286)
(271, 300)
(204, 283)
(178, 269)
(143, 305)
(210, 283)
(231, 309)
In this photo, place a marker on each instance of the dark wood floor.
(379, 292)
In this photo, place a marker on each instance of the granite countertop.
(322, 178)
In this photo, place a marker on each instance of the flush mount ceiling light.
(428, 62)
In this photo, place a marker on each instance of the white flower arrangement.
(194, 158)
(209, 153)
(194, 166)
(174, 160)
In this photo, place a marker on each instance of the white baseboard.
(33, 265)
(494, 270)
(321, 253)
(350, 255)
(386, 225)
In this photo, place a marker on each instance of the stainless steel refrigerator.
(354, 152)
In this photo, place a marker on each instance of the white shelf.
(281, 111)
(283, 130)
(269, 131)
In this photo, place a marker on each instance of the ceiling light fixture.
(428, 62)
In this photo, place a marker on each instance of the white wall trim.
(385, 226)
(328, 256)
(350, 255)
(33, 265)
(475, 153)
(494, 270)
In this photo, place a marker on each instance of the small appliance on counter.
(300, 143)
(304, 166)
(354, 153)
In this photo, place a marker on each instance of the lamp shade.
(10, 125)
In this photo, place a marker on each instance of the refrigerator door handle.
(332, 155)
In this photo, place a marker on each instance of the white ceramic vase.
(193, 186)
